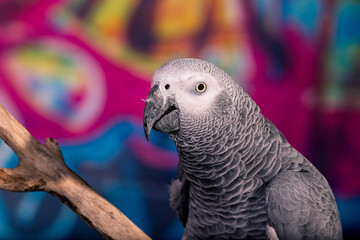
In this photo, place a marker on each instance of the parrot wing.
(179, 196)
(301, 204)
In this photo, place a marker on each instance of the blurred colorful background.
(77, 71)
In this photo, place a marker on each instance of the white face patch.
(194, 92)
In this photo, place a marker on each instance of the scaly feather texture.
(238, 177)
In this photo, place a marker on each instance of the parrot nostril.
(167, 86)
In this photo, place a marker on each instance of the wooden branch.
(42, 168)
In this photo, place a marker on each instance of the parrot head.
(189, 94)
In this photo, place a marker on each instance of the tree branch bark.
(42, 168)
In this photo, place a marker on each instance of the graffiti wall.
(78, 71)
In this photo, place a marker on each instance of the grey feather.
(179, 196)
(238, 177)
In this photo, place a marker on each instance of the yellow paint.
(178, 18)
(111, 17)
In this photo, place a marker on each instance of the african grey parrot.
(238, 177)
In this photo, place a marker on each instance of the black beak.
(160, 113)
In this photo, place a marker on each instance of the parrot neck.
(234, 150)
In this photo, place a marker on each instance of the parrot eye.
(200, 87)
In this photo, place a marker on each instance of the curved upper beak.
(160, 113)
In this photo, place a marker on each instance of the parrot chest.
(236, 210)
